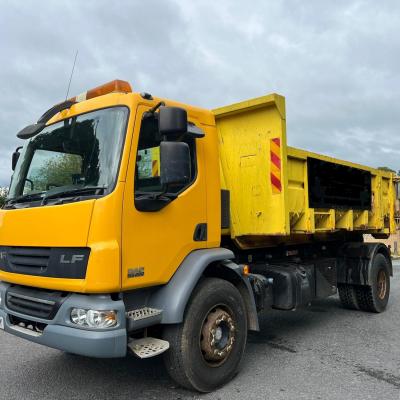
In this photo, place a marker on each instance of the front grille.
(34, 302)
(52, 262)
(29, 260)
(29, 305)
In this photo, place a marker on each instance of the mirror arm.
(54, 110)
(194, 131)
(155, 108)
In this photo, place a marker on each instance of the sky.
(336, 62)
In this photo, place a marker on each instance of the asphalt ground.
(324, 352)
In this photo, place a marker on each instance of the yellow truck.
(143, 225)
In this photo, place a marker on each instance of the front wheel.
(206, 349)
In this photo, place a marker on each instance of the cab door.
(154, 243)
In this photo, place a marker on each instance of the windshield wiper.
(73, 191)
(25, 198)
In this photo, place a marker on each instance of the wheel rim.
(217, 336)
(382, 285)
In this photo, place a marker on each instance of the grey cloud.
(337, 63)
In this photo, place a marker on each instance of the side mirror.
(172, 121)
(15, 158)
(174, 163)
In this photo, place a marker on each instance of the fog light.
(93, 318)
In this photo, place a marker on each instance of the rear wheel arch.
(356, 260)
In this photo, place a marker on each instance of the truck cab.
(87, 192)
(89, 214)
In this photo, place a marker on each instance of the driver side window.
(147, 172)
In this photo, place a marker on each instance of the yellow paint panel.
(158, 241)
(50, 226)
(245, 132)
(380, 219)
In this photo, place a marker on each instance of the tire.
(348, 296)
(216, 311)
(374, 298)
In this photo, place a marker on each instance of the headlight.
(93, 318)
(78, 316)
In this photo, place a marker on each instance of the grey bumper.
(60, 333)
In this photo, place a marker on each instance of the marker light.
(116, 86)
(93, 318)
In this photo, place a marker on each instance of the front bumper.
(60, 333)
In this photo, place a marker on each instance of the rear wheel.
(374, 297)
(206, 349)
(348, 296)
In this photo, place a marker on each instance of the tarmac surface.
(324, 352)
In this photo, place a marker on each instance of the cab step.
(148, 347)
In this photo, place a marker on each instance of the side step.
(148, 347)
(142, 318)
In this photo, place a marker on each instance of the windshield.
(79, 152)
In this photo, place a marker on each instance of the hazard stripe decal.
(275, 165)
(276, 184)
(275, 160)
